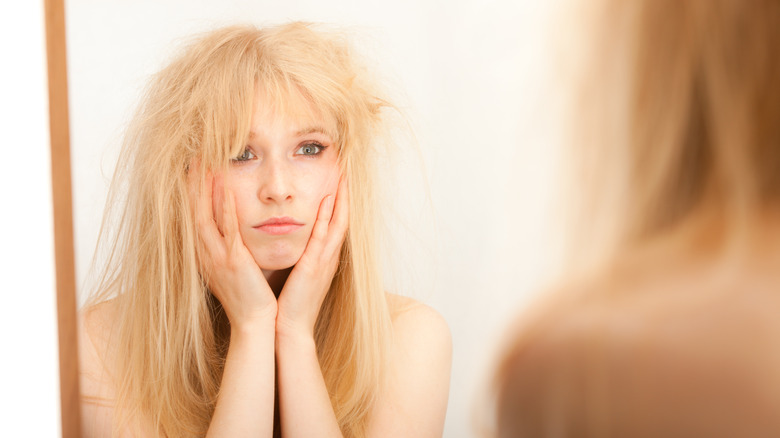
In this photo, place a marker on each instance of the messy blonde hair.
(171, 335)
(677, 154)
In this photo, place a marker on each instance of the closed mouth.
(279, 225)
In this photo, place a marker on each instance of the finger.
(218, 203)
(230, 219)
(205, 215)
(341, 209)
(340, 220)
(320, 230)
(325, 214)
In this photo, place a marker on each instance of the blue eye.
(245, 155)
(310, 149)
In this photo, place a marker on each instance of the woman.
(671, 327)
(244, 265)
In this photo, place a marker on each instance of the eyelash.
(243, 158)
(319, 149)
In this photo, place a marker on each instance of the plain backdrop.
(29, 375)
(473, 224)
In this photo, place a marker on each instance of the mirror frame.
(59, 131)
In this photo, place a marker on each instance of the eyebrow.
(314, 130)
(304, 131)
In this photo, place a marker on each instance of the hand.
(225, 263)
(310, 279)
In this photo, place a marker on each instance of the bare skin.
(675, 340)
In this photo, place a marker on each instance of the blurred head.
(678, 119)
(678, 147)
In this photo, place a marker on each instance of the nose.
(276, 182)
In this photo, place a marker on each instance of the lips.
(279, 225)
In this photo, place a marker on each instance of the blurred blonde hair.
(677, 152)
(676, 124)
(171, 335)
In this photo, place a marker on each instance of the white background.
(476, 80)
(29, 375)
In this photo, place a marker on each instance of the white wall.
(474, 78)
(29, 375)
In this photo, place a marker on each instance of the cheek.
(317, 186)
(332, 183)
(242, 192)
(318, 183)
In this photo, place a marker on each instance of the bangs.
(288, 98)
(299, 73)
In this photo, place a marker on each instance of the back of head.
(678, 150)
(678, 120)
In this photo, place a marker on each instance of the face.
(289, 165)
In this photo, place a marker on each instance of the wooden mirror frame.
(59, 130)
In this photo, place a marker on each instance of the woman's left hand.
(305, 289)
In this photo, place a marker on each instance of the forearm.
(304, 403)
(245, 405)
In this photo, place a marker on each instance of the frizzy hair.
(170, 336)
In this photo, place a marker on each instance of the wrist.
(250, 325)
(295, 344)
(288, 332)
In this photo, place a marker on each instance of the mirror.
(475, 80)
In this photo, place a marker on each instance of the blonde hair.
(171, 334)
(677, 123)
(678, 146)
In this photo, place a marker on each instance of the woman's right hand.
(225, 262)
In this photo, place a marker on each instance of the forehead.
(290, 110)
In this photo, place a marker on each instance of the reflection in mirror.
(471, 81)
(241, 232)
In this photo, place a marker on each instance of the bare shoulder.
(96, 328)
(97, 319)
(413, 318)
(98, 360)
(95, 377)
(420, 333)
(414, 400)
(667, 345)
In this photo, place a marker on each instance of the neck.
(276, 279)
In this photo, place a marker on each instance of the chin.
(275, 266)
(277, 260)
